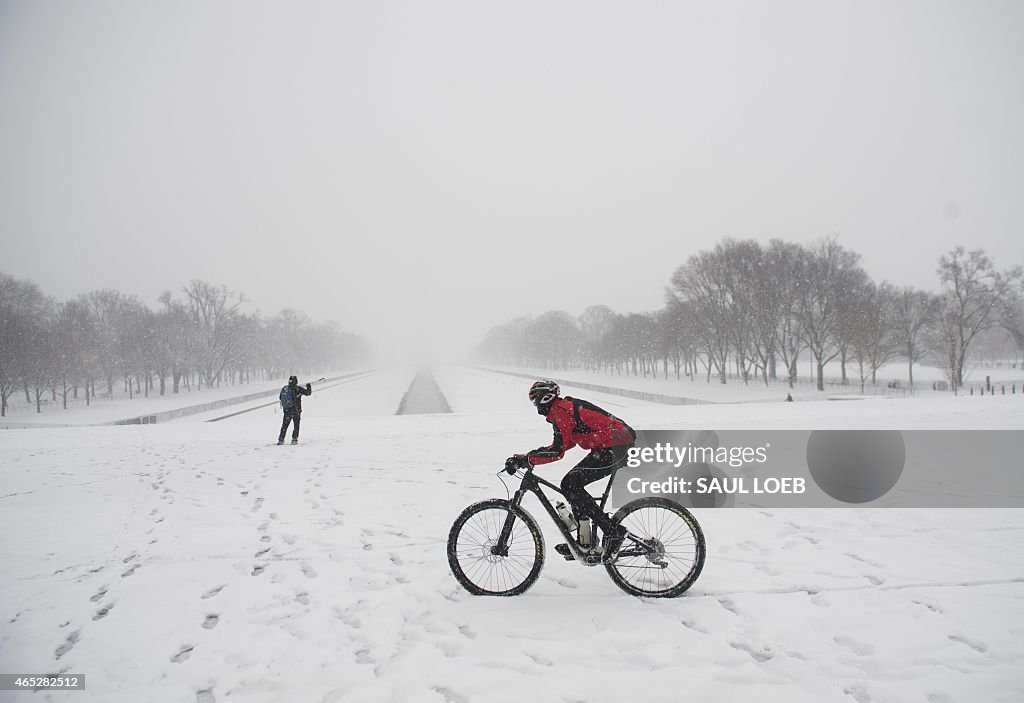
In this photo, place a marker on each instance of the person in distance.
(291, 405)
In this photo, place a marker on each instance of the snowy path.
(423, 397)
(190, 562)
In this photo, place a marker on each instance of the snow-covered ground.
(193, 561)
(120, 407)
(735, 391)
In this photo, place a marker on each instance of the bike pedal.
(563, 549)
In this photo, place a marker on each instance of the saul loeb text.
(706, 485)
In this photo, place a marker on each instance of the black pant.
(600, 463)
(290, 416)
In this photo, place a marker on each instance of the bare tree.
(975, 298)
(701, 283)
(22, 307)
(40, 362)
(831, 274)
(784, 268)
(871, 334)
(595, 324)
(914, 312)
(215, 314)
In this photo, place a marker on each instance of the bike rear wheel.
(674, 550)
(477, 568)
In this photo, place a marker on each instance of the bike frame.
(532, 483)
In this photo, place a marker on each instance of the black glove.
(309, 387)
(516, 462)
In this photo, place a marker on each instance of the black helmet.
(293, 380)
(543, 393)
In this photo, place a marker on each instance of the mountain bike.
(496, 548)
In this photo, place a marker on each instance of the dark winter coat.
(297, 393)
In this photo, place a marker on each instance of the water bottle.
(585, 534)
(566, 515)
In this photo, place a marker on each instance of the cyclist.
(579, 423)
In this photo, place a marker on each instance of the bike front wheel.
(474, 563)
(673, 553)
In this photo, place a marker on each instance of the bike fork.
(501, 547)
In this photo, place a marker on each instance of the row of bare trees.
(201, 337)
(749, 310)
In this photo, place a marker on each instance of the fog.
(422, 171)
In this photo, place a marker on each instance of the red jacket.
(579, 423)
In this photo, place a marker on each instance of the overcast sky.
(421, 171)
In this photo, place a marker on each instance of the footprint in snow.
(758, 654)
(131, 570)
(858, 693)
(102, 612)
(68, 645)
(98, 595)
(543, 661)
(258, 569)
(467, 632)
(182, 654)
(261, 552)
(861, 649)
(308, 570)
(395, 559)
(450, 696)
(205, 696)
(288, 539)
(691, 625)
(302, 597)
(976, 645)
(729, 605)
(213, 591)
(346, 616)
(210, 621)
